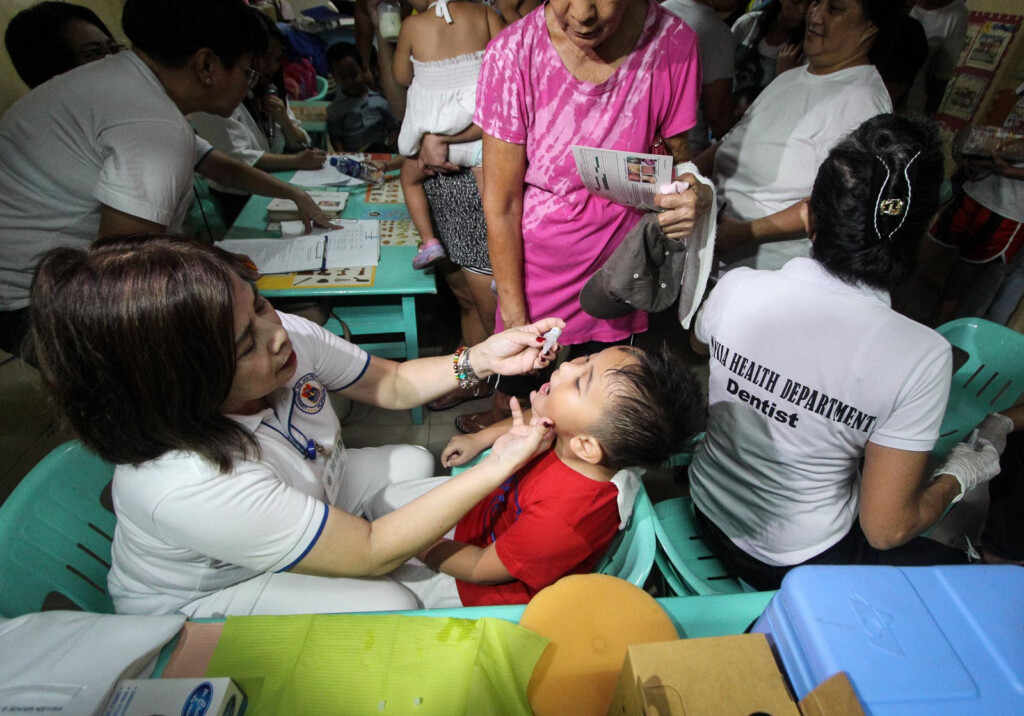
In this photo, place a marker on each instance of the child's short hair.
(655, 408)
(340, 50)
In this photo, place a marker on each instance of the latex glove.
(995, 428)
(971, 467)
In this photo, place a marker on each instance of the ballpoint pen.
(323, 259)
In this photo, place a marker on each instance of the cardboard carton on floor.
(719, 676)
(187, 697)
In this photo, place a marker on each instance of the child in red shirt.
(612, 412)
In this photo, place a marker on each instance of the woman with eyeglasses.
(50, 38)
(262, 131)
(105, 148)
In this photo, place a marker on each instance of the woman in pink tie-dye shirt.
(614, 74)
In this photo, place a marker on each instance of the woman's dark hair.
(874, 197)
(883, 14)
(135, 341)
(171, 31)
(37, 44)
(271, 32)
(657, 406)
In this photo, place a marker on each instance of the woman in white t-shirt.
(812, 372)
(234, 491)
(764, 166)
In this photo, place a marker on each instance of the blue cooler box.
(913, 640)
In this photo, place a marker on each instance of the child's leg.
(412, 179)
(478, 175)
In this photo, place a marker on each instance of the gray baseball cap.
(643, 274)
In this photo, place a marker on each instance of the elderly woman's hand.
(682, 210)
(514, 351)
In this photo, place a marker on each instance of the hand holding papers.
(626, 178)
(356, 244)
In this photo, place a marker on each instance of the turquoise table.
(388, 306)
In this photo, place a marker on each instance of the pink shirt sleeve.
(678, 82)
(500, 110)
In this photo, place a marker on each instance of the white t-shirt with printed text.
(805, 370)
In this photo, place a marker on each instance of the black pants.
(851, 549)
(1004, 528)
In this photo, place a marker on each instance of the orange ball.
(590, 619)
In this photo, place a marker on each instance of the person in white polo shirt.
(813, 372)
(234, 491)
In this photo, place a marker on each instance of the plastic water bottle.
(390, 16)
(367, 171)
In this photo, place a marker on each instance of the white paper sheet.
(324, 176)
(357, 243)
(628, 178)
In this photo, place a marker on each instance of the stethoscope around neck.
(307, 447)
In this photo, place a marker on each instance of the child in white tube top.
(438, 56)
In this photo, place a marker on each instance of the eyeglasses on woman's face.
(252, 77)
(92, 51)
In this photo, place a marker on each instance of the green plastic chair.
(55, 536)
(684, 559)
(631, 554)
(991, 380)
(321, 88)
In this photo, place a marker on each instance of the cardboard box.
(187, 697)
(719, 676)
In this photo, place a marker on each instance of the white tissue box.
(189, 697)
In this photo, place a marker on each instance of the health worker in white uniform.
(234, 491)
(812, 372)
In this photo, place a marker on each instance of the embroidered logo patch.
(310, 395)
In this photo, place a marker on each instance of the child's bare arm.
(463, 448)
(401, 62)
(479, 565)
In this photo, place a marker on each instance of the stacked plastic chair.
(55, 535)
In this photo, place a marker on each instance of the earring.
(207, 81)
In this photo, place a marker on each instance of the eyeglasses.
(252, 76)
(92, 51)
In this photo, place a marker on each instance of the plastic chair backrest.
(683, 557)
(991, 380)
(321, 88)
(631, 554)
(55, 536)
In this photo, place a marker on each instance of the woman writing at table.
(262, 131)
(234, 493)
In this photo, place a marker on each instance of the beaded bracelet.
(464, 369)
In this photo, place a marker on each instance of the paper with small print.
(357, 243)
(628, 178)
